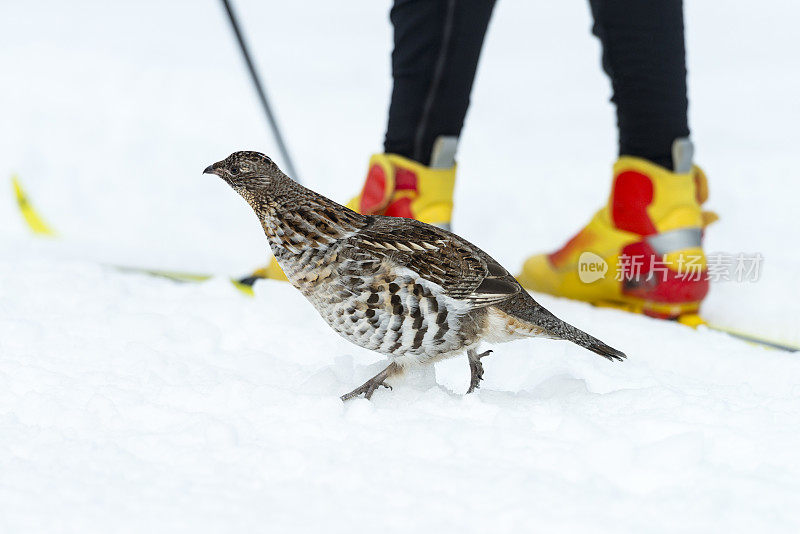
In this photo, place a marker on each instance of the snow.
(130, 403)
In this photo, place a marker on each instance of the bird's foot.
(475, 368)
(369, 387)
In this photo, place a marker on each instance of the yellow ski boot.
(641, 252)
(400, 187)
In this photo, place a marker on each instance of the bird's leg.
(475, 368)
(369, 387)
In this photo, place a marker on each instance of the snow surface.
(134, 404)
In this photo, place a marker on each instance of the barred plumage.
(400, 287)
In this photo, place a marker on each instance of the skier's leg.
(436, 49)
(437, 44)
(644, 56)
(643, 250)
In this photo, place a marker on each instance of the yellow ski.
(180, 276)
(695, 321)
(245, 285)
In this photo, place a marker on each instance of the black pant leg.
(437, 44)
(644, 55)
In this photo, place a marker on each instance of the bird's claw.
(369, 387)
(476, 369)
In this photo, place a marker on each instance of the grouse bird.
(397, 286)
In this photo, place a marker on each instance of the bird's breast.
(383, 307)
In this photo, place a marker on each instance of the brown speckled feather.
(460, 268)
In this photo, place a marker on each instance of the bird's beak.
(210, 170)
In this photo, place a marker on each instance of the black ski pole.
(262, 95)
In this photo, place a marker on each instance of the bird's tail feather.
(598, 347)
(579, 337)
(527, 309)
(559, 329)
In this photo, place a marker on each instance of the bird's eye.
(234, 170)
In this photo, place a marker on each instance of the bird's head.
(247, 172)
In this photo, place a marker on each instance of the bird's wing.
(463, 270)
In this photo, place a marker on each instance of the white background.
(130, 404)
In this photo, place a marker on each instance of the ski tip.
(32, 219)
